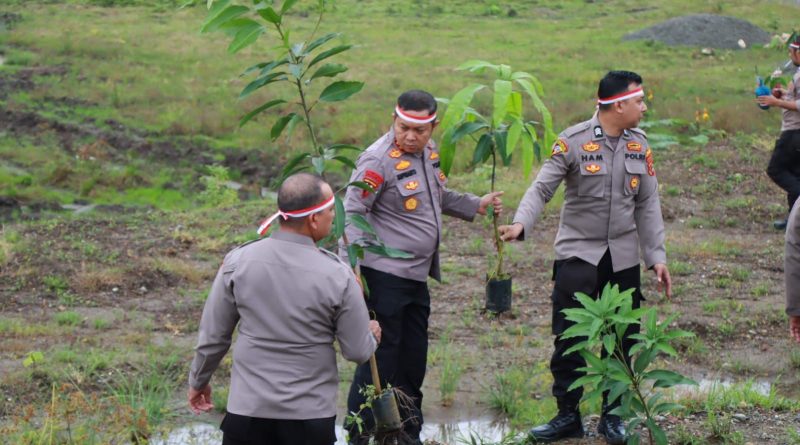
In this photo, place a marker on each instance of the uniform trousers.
(784, 165)
(244, 430)
(576, 275)
(402, 307)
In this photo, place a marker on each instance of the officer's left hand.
(664, 280)
(493, 199)
(200, 399)
(768, 100)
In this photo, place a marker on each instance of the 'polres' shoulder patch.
(374, 179)
(560, 147)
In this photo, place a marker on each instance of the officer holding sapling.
(611, 210)
(405, 210)
(784, 166)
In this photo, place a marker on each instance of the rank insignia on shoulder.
(402, 165)
(598, 131)
(648, 158)
(560, 147)
(410, 204)
(433, 156)
(395, 153)
(634, 182)
(411, 185)
(373, 179)
(591, 147)
(442, 176)
(634, 146)
(592, 168)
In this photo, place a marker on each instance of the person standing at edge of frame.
(290, 299)
(611, 209)
(410, 196)
(791, 268)
(784, 165)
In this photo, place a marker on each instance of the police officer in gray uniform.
(291, 300)
(611, 209)
(784, 165)
(410, 196)
(792, 272)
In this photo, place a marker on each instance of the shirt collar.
(291, 237)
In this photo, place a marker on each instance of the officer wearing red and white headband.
(406, 209)
(291, 300)
(611, 210)
(784, 166)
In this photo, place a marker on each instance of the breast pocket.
(634, 170)
(593, 179)
(409, 192)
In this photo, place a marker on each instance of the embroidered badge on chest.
(442, 176)
(591, 147)
(410, 204)
(634, 182)
(395, 153)
(411, 185)
(402, 165)
(433, 156)
(592, 168)
(634, 146)
(598, 131)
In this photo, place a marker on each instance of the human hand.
(493, 199)
(375, 328)
(794, 327)
(664, 280)
(510, 233)
(767, 100)
(200, 400)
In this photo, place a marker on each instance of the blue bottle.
(762, 90)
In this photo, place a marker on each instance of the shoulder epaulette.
(333, 256)
(575, 129)
(639, 131)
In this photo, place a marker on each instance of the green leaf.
(642, 361)
(458, 105)
(245, 37)
(483, 149)
(280, 124)
(32, 358)
(526, 146)
(361, 185)
(296, 69)
(609, 341)
(502, 93)
(321, 41)
(218, 18)
(253, 68)
(246, 118)
(340, 90)
(617, 389)
(344, 147)
(582, 346)
(514, 133)
(658, 433)
(354, 253)
(296, 119)
(287, 4)
(500, 138)
(339, 220)
(329, 53)
(290, 166)
(547, 118)
(270, 15)
(362, 224)
(666, 407)
(345, 160)
(666, 379)
(467, 128)
(329, 70)
(477, 66)
(319, 164)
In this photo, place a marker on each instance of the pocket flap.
(635, 167)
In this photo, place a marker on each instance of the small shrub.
(68, 318)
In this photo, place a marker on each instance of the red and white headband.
(621, 96)
(413, 119)
(262, 229)
(794, 45)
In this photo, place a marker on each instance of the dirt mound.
(706, 30)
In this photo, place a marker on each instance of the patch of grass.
(760, 290)
(680, 268)
(794, 358)
(67, 318)
(718, 247)
(721, 398)
(696, 222)
(100, 324)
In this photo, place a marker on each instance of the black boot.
(612, 429)
(567, 423)
(780, 224)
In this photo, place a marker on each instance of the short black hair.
(616, 82)
(299, 191)
(417, 100)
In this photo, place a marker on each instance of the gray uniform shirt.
(791, 118)
(611, 197)
(791, 266)
(291, 300)
(406, 209)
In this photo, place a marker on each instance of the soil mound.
(705, 30)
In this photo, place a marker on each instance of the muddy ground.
(725, 256)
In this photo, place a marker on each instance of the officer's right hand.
(510, 233)
(375, 328)
(200, 399)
